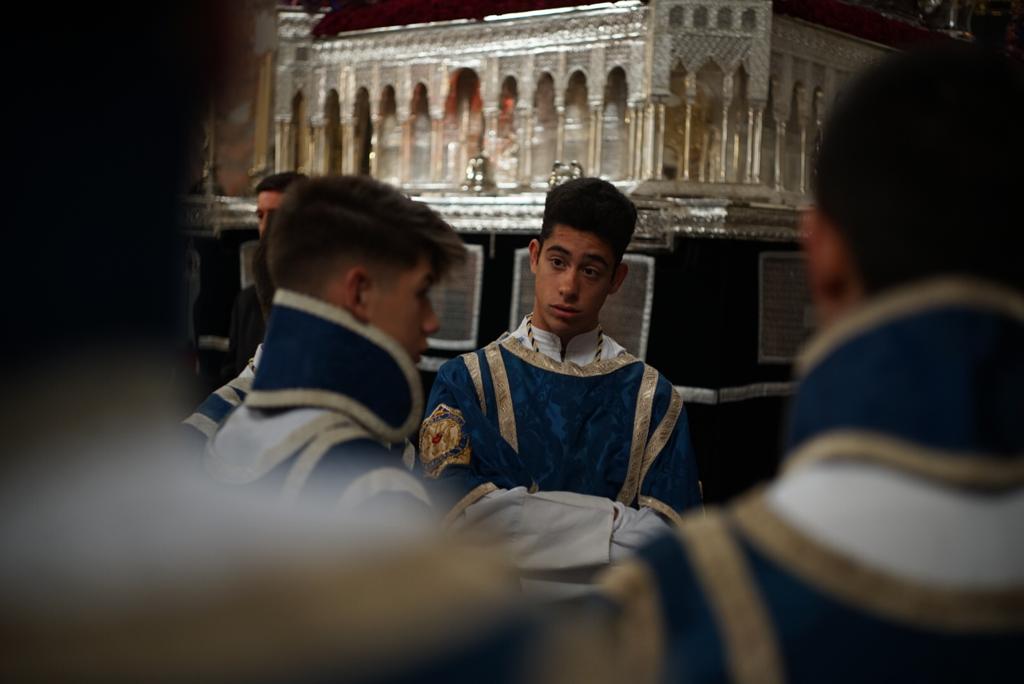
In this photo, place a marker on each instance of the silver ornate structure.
(706, 112)
(670, 98)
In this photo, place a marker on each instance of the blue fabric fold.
(946, 379)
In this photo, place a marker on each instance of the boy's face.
(575, 271)
(266, 202)
(399, 306)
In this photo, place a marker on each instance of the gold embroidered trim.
(465, 502)
(931, 294)
(379, 481)
(317, 398)
(275, 615)
(315, 307)
(874, 591)
(641, 425)
(204, 424)
(661, 507)
(473, 366)
(443, 441)
(271, 458)
(310, 457)
(640, 626)
(602, 367)
(502, 396)
(228, 394)
(748, 637)
(948, 467)
(662, 434)
(243, 385)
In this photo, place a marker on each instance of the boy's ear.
(535, 247)
(619, 276)
(832, 274)
(351, 291)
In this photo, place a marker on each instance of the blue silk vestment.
(924, 389)
(507, 416)
(331, 405)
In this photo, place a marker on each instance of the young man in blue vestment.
(890, 548)
(554, 434)
(336, 393)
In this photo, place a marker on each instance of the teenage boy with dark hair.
(353, 261)
(554, 431)
(248, 323)
(890, 547)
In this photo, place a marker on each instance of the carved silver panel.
(827, 48)
(626, 315)
(785, 312)
(456, 301)
(214, 214)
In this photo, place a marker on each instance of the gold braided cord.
(533, 342)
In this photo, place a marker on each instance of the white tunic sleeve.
(561, 530)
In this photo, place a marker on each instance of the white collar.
(906, 526)
(580, 350)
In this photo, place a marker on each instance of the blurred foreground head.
(92, 281)
(918, 176)
(101, 150)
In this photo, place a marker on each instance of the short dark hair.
(592, 205)
(325, 219)
(919, 167)
(279, 182)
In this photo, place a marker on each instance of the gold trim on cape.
(271, 458)
(641, 425)
(228, 394)
(538, 359)
(327, 399)
(477, 493)
(662, 434)
(314, 605)
(639, 629)
(204, 424)
(378, 481)
(502, 395)
(748, 636)
(240, 384)
(874, 591)
(303, 467)
(660, 506)
(918, 297)
(954, 468)
(472, 362)
(332, 401)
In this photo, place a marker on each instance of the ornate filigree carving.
(644, 39)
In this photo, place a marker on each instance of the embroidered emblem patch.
(443, 441)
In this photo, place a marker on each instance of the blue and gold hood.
(317, 355)
(930, 373)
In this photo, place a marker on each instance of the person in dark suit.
(247, 324)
